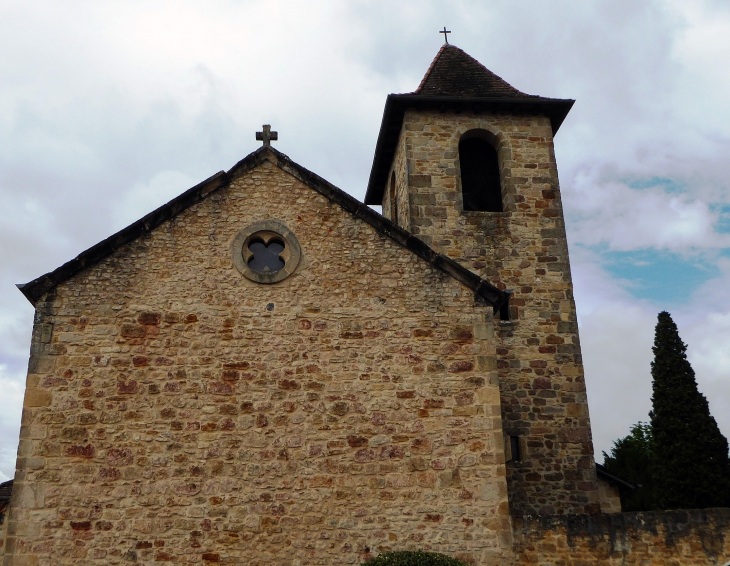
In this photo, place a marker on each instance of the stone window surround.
(267, 230)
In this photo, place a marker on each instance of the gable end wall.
(176, 411)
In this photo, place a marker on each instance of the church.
(267, 371)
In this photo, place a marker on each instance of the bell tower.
(466, 163)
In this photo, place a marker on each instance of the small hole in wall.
(514, 445)
(270, 307)
(504, 310)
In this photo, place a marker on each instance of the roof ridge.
(36, 288)
(430, 68)
(495, 75)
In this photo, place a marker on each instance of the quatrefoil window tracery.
(266, 252)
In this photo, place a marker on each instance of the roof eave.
(35, 289)
(385, 146)
(396, 104)
(604, 473)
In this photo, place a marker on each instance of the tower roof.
(455, 73)
(454, 81)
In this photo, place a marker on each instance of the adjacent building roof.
(6, 490)
(603, 473)
(35, 289)
(454, 81)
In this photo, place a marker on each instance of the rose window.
(266, 252)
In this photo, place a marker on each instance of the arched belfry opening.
(481, 186)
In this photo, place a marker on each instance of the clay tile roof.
(603, 473)
(455, 73)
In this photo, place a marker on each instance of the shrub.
(413, 558)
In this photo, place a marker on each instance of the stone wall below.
(686, 538)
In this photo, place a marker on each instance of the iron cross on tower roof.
(267, 135)
(446, 37)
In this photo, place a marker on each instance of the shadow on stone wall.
(687, 537)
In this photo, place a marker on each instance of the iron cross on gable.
(446, 37)
(267, 135)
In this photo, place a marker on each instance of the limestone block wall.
(699, 537)
(178, 412)
(400, 168)
(523, 249)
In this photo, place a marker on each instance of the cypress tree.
(691, 465)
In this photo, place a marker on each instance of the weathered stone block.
(37, 397)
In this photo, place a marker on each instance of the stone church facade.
(267, 371)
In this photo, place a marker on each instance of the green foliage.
(631, 459)
(691, 465)
(413, 558)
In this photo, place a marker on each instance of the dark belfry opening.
(393, 199)
(480, 184)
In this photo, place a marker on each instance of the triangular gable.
(35, 289)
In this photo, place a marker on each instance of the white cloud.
(616, 342)
(602, 210)
(146, 197)
(12, 393)
(708, 352)
(702, 50)
(616, 332)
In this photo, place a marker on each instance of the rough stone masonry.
(177, 412)
(523, 249)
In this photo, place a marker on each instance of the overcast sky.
(109, 109)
